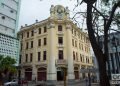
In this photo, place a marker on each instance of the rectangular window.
(45, 29)
(39, 55)
(32, 33)
(73, 42)
(80, 57)
(31, 56)
(39, 30)
(27, 44)
(31, 44)
(60, 55)
(27, 34)
(59, 28)
(21, 46)
(79, 46)
(39, 42)
(72, 31)
(26, 58)
(44, 55)
(60, 40)
(22, 35)
(45, 41)
(20, 59)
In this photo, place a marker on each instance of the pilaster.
(34, 72)
(70, 53)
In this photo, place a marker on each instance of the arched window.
(28, 74)
(59, 27)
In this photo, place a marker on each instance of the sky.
(39, 9)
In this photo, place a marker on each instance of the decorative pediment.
(59, 12)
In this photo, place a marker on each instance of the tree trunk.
(104, 80)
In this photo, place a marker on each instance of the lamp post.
(114, 43)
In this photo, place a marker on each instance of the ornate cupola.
(59, 12)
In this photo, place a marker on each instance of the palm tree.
(7, 67)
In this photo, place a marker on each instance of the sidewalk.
(61, 84)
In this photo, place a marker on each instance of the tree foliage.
(7, 63)
(7, 67)
(101, 16)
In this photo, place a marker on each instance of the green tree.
(7, 66)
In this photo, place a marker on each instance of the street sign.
(114, 82)
(115, 76)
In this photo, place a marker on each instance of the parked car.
(14, 82)
(22, 81)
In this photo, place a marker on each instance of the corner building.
(53, 46)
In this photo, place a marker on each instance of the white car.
(14, 82)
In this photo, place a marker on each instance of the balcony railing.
(76, 62)
(41, 62)
(60, 45)
(26, 64)
(61, 61)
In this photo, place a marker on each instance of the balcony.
(26, 64)
(61, 62)
(60, 33)
(41, 63)
(77, 62)
(60, 46)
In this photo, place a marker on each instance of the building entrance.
(60, 75)
(28, 74)
(41, 74)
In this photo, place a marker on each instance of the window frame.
(39, 56)
(60, 54)
(45, 29)
(60, 40)
(60, 28)
(26, 57)
(44, 55)
(45, 41)
(39, 42)
(31, 44)
(31, 57)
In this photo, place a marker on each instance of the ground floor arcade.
(39, 73)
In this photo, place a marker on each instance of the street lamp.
(114, 43)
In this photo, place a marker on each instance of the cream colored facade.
(57, 44)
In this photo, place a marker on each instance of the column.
(22, 73)
(51, 69)
(35, 50)
(70, 53)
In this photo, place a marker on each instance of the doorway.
(60, 75)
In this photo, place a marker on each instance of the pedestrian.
(35, 79)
